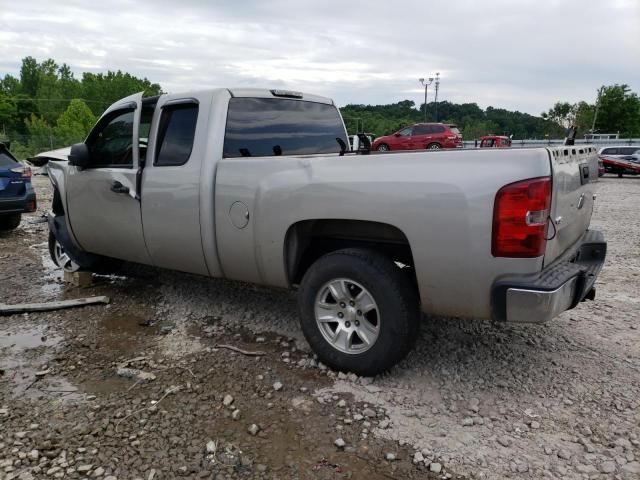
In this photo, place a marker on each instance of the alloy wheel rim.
(63, 260)
(347, 316)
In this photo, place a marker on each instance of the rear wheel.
(10, 222)
(59, 257)
(359, 311)
(434, 146)
(383, 147)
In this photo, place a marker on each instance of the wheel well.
(56, 203)
(309, 240)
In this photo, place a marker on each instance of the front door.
(103, 204)
(403, 139)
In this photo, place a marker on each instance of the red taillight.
(520, 215)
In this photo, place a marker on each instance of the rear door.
(171, 182)
(420, 137)
(575, 171)
(104, 210)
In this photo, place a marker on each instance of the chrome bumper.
(559, 287)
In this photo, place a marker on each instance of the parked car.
(257, 186)
(494, 141)
(620, 160)
(621, 151)
(16, 192)
(430, 136)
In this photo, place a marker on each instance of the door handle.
(117, 187)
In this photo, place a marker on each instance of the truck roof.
(278, 93)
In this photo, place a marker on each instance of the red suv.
(431, 136)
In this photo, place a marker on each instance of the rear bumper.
(559, 287)
(23, 204)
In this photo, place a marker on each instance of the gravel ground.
(473, 400)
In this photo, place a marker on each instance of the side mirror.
(79, 155)
(396, 135)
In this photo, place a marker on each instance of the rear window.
(6, 160)
(262, 127)
(454, 129)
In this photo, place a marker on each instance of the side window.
(610, 151)
(406, 132)
(176, 132)
(437, 129)
(110, 144)
(421, 130)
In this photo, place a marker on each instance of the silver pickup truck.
(255, 185)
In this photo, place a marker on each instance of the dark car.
(431, 136)
(16, 192)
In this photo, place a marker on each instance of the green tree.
(40, 135)
(619, 111)
(29, 77)
(74, 123)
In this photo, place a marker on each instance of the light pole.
(426, 86)
(437, 88)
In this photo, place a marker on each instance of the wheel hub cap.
(347, 316)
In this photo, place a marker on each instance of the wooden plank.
(44, 307)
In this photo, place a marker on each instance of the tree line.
(47, 107)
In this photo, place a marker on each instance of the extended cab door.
(102, 201)
(171, 184)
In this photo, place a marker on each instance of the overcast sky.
(518, 54)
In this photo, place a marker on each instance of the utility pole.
(437, 88)
(595, 115)
(426, 86)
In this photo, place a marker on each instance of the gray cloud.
(519, 55)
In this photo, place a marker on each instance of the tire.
(383, 147)
(619, 175)
(368, 279)
(10, 222)
(434, 146)
(56, 251)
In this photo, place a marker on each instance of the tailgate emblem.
(581, 201)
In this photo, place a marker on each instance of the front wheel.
(59, 257)
(10, 222)
(359, 311)
(383, 147)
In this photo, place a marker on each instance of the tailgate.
(11, 183)
(575, 171)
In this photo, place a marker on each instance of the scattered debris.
(277, 386)
(324, 463)
(228, 400)
(166, 330)
(150, 322)
(253, 429)
(243, 352)
(340, 443)
(44, 307)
